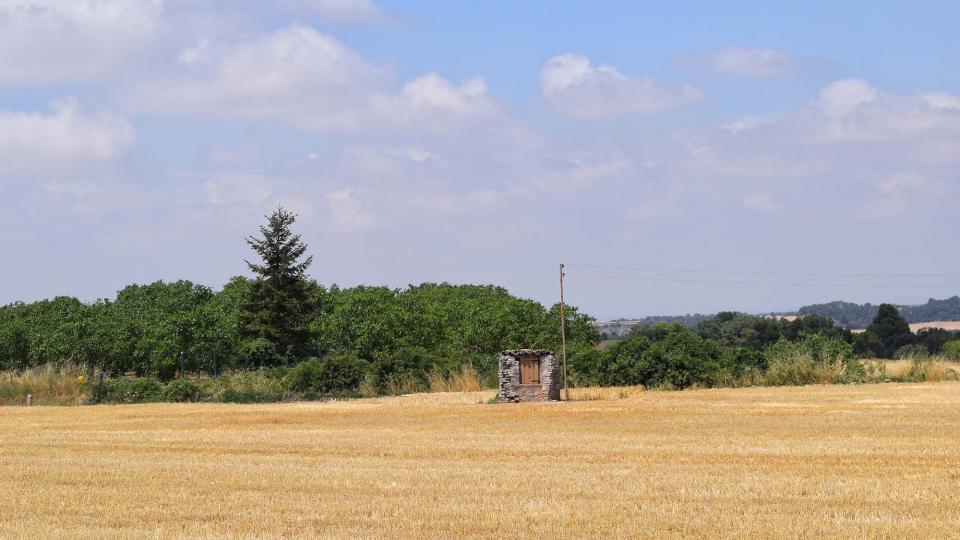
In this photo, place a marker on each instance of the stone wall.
(550, 377)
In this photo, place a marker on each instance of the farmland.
(839, 460)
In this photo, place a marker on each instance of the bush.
(261, 386)
(305, 376)
(951, 350)
(260, 352)
(404, 371)
(682, 360)
(814, 359)
(140, 390)
(234, 395)
(336, 374)
(166, 369)
(185, 391)
(623, 364)
(911, 351)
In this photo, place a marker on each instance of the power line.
(771, 274)
(768, 284)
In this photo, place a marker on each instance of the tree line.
(281, 317)
(853, 315)
(733, 349)
(307, 339)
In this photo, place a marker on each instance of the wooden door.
(529, 370)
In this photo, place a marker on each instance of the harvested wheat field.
(841, 461)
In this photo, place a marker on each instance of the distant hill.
(860, 315)
(847, 314)
(621, 327)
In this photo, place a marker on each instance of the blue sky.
(486, 142)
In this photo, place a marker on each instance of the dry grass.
(814, 461)
(49, 385)
(914, 369)
(946, 325)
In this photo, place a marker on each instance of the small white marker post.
(29, 399)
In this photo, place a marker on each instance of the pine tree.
(888, 332)
(278, 309)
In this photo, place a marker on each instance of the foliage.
(852, 315)
(951, 350)
(278, 306)
(888, 332)
(914, 350)
(336, 374)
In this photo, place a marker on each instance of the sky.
(679, 157)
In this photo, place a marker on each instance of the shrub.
(682, 360)
(911, 351)
(951, 350)
(336, 374)
(404, 371)
(234, 395)
(624, 363)
(49, 385)
(802, 369)
(815, 359)
(305, 376)
(261, 386)
(341, 373)
(166, 369)
(185, 391)
(140, 390)
(260, 352)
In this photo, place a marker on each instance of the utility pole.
(563, 339)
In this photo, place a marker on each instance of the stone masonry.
(512, 391)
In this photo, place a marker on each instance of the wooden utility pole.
(563, 339)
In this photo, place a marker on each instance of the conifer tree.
(278, 309)
(888, 332)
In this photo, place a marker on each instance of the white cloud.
(69, 135)
(346, 10)
(898, 194)
(760, 203)
(65, 40)
(845, 96)
(311, 81)
(566, 174)
(740, 61)
(583, 91)
(347, 213)
(236, 188)
(433, 102)
(854, 110)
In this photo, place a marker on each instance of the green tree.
(888, 332)
(278, 309)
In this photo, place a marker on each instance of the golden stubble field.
(836, 461)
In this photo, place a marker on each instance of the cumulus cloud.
(568, 174)
(760, 203)
(352, 11)
(738, 61)
(236, 188)
(311, 81)
(854, 110)
(66, 40)
(845, 96)
(584, 91)
(67, 136)
(898, 194)
(347, 213)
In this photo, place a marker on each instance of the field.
(946, 325)
(880, 460)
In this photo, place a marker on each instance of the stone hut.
(529, 375)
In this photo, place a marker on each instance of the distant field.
(946, 325)
(915, 327)
(878, 460)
